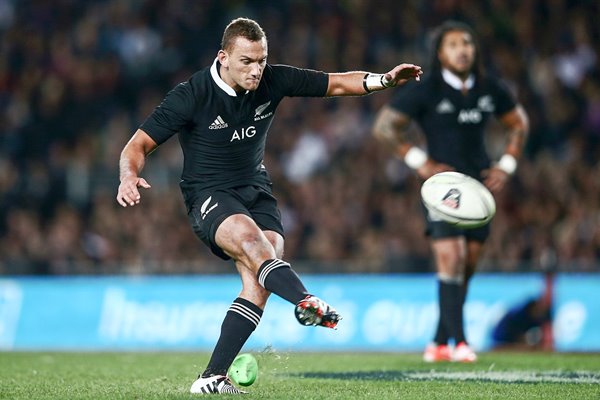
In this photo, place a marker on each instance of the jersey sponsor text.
(472, 116)
(243, 134)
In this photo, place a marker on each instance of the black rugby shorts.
(214, 206)
(436, 229)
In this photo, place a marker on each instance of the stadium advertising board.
(381, 313)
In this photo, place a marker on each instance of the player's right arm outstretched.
(389, 128)
(131, 163)
(359, 83)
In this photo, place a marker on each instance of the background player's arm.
(516, 124)
(358, 83)
(131, 163)
(390, 127)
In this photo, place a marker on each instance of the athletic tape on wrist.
(373, 82)
(415, 158)
(508, 164)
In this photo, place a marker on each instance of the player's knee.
(252, 241)
(255, 246)
(451, 263)
(278, 247)
(276, 241)
(450, 278)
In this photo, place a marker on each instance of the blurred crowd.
(78, 77)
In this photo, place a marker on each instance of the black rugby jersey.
(222, 134)
(453, 123)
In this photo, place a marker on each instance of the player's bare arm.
(516, 124)
(358, 83)
(131, 163)
(390, 127)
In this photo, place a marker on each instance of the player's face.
(457, 52)
(243, 63)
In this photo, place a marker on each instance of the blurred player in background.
(521, 328)
(222, 115)
(452, 106)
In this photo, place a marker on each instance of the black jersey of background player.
(222, 134)
(453, 123)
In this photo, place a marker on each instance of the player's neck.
(228, 81)
(458, 82)
(215, 72)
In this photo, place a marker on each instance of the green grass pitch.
(128, 375)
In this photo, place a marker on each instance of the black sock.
(451, 299)
(240, 321)
(461, 337)
(278, 277)
(465, 288)
(441, 333)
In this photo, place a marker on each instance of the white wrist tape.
(508, 164)
(372, 82)
(415, 158)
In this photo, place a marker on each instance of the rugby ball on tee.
(458, 199)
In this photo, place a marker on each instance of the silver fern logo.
(260, 109)
(205, 209)
(258, 112)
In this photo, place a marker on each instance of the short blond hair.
(241, 27)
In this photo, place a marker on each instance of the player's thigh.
(208, 213)
(474, 250)
(450, 255)
(241, 239)
(454, 248)
(266, 214)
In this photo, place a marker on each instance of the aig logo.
(472, 116)
(245, 133)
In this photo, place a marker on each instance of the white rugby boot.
(216, 384)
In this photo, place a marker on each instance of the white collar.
(220, 82)
(454, 81)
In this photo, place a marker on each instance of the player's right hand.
(403, 73)
(431, 168)
(128, 193)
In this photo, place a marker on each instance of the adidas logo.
(218, 123)
(444, 107)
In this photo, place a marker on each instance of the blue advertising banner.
(381, 312)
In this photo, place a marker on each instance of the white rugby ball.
(458, 199)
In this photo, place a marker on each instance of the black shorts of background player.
(222, 115)
(452, 107)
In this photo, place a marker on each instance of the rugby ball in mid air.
(458, 199)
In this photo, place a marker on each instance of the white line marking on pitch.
(509, 376)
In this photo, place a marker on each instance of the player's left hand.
(128, 193)
(494, 179)
(403, 73)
